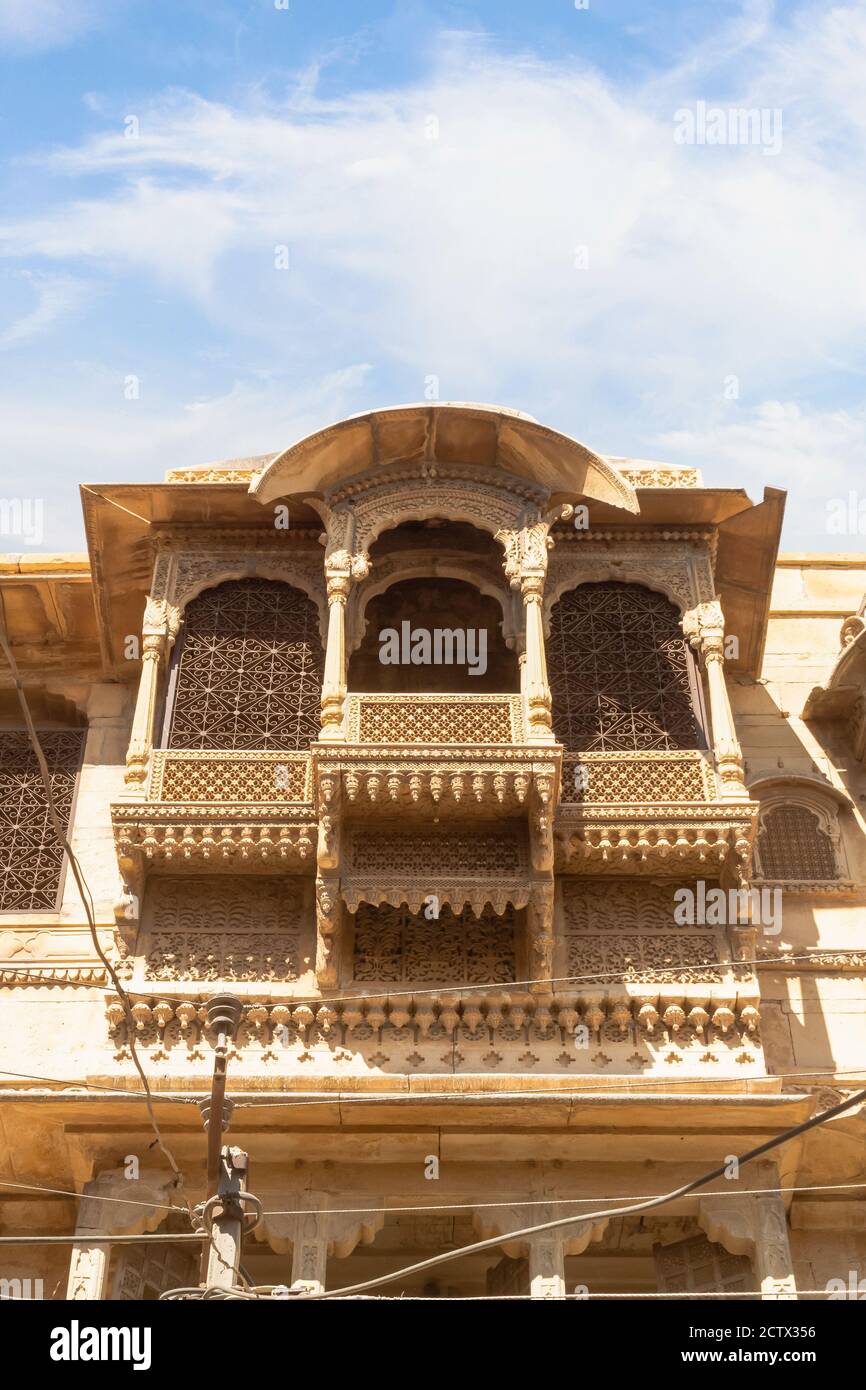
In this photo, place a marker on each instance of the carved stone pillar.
(310, 1250)
(161, 626)
(103, 1211)
(525, 566)
(334, 678)
(540, 933)
(705, 628)
(546, 1250)
(755, 1224)
(328, 917)
(313, 1233)
(773, 1264)
(537, 691)
(547, 1265)
(342, 569)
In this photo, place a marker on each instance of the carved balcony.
(430, 757)
(217, 810)
(651, 812)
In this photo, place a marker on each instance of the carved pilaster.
(343, 568)
(546, 1250)
(755, 1224)
(161, 625)
(704, 626)
(312, 1232)
(525, 565)
(329, 913)
(112, 1203)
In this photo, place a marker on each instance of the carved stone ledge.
(441, 780)
(658, 839)
(53, 975)
(770, 957)
(659, 1016)
(811, 887)
(476, 892)
(179, 836)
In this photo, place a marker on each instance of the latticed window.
(394, 943)
(31, 860)
(792, 844)
(620, 670)
(249, 669)
(699, 1265)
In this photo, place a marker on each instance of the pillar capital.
(526, 550)
(755, 1224)
(704, 626)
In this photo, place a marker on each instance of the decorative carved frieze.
(648, 839)
(395, 944)
(203, 837)
(630, 931)
(383, 499)
(225, 928)
(659, 475)
(681, 572)
(498, 1017)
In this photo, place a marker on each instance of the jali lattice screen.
(31, 860)
(249, 671)
(620, 671)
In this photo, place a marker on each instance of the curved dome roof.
(449, 433)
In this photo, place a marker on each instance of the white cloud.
(57, 296)
(459, 252)
(455, 256)
(817, 455)
(40, 24)
(82, 429)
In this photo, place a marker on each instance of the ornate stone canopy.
(448, 434)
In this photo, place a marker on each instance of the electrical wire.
(60, 830)
(276, 1292)
(95, 1086)
(426, 1208)
(574, 1093)
(559, 1222)
(507, 987)
(86, 898)
(81, 1196)
(635, 1086)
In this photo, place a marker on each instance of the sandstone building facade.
(559, 904)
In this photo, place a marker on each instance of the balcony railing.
(651, 778)
(203, 776)
(435, 719)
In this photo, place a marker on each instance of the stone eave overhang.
(756, 1107)
(124, 523)
(50, 617)
(845, 684)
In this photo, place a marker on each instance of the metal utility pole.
(227, 1167)
(224, 1249)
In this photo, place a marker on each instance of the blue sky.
(270, 218)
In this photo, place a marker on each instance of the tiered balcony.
(658, 812)
(419, 757)
(209, 810)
